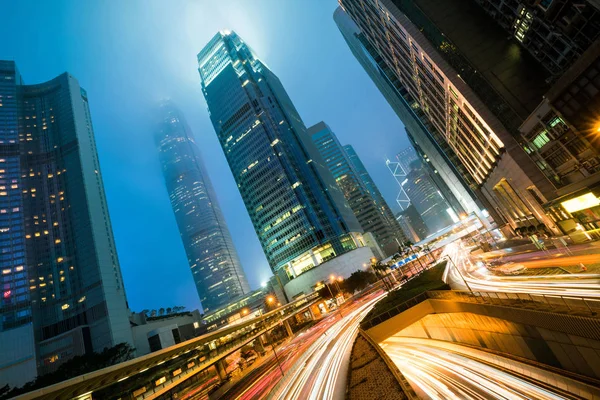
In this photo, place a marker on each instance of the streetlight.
(332, 278)
(461, 275)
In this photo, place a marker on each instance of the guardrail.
(392, 312)
(554, 303)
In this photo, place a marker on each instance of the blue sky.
(129, 54)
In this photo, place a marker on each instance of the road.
(319, 372)
(478, 277)
(314, 362)
(447, 371)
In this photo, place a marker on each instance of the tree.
(358, 281)
(328, 290)
(380, 270)
(76, 366)
(153, 313)
(161, 311)
(169, 310)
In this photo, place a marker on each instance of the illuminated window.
(64, 306)
(541, 140)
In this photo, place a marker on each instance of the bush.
(74, 367)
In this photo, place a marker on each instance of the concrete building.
(211, 255)
(62, 290)
(369, 207)
(298, 212)
(419, 130)
(453, 79)
(554, 32)
(159, 332)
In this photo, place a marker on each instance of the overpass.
(154, 374)
(550, 340)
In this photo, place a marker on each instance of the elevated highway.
(154, 374)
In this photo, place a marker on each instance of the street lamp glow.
(270, 299)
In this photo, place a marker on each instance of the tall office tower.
(426, 198)
(438, 181)
(404, 105)
(406, 158)
(554, 32)
(413, 225)
(368, 182)
(372, 212)
(297, 209)
(62, 290)
(212, 258)
(470, 94)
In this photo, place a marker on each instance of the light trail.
(479, 278)
(318, 373)
(450, 371)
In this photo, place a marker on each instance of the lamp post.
(333, 279)
(461, 275)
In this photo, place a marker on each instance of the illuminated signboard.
(587, 200)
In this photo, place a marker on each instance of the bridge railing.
(554, 303)
(393, 311)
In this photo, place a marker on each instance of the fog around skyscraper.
(214, 262)
(148, 52)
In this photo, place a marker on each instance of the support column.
(265, 338)
(312, 315)
(258, 346)
(221, 371)
(288, 328)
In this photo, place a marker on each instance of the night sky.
(128, 54)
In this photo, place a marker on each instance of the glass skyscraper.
(62, 290)
(368, 205)
(298, 212)
(214, 262)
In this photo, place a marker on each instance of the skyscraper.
(212, 258)
(471, 100)
(368, 206)
(418, 128)
(298, 212)
(369, 183)
(62, 290)
(426, 197)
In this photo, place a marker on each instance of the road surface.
(479, 278)
(314, 362)
(443, 371)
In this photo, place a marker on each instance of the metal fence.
(393, 311)
(554, 303)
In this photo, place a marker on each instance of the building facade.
(62, 290)
(212, 258)
(418, 128)
(368, 205)
(554, 32)
(449, 60)
(412, 224)
(425, 196)
(298, 212)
